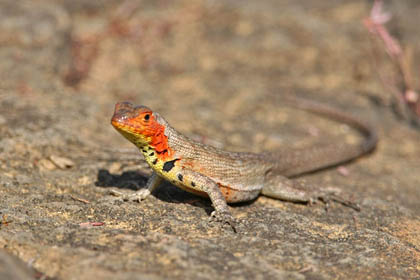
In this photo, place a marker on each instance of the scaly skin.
(229, 177)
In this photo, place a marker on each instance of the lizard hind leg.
(280, 187)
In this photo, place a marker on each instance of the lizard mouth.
(128, 120)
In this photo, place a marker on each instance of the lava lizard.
(229, 177)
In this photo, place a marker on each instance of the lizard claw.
(224, 218)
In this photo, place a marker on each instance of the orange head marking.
(139, 125)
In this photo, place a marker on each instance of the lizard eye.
(146, 117)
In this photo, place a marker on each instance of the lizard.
(230, 177)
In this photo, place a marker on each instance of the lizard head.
(141, 126)
(136, 123)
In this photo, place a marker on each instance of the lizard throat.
(150, 137)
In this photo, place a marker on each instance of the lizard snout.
(122, 111)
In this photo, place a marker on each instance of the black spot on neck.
(180, 177)
(167, 166)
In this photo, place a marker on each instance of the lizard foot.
(329, 196)
(341, 200)
(224, 218)
(137, 196)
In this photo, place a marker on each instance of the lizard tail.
(371, 137)
(313, 159)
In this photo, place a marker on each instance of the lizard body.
(229, 177)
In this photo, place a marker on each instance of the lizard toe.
(224, 218)
(139, 195)
(327, 197)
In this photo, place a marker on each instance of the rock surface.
(215, 70)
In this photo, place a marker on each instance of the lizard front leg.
(280, 187)
(152, 183)
(200, 182)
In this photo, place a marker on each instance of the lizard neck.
(160, 144)
(158, 148)
(158, 153)
(151, 156)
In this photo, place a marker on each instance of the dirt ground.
(216, 70)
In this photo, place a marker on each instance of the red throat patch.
(160, 143)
